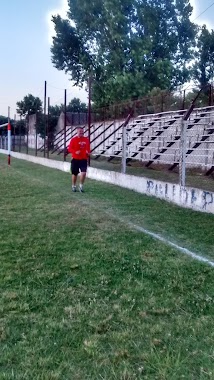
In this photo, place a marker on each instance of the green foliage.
(20, 127)
(203, 68)
(3, 120)
(46, 125)
(130, 46)
(75, 105)
(56, 110)
(29, 105)
(202, 101)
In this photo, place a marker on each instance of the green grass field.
(85, 296)
(194, 177)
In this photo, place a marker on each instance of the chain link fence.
(155, 141)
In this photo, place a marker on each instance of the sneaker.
(81, 189)
(74, 189)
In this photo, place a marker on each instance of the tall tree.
(46, 126)
(76, 105)
(130, 46)
(203, 67)
(56, 110)
(20, 127)
(3, 120)
(29, 105)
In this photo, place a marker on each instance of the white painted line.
(186, 251)
(168, 242)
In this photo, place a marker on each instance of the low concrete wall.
(64, 166)
(195, 199)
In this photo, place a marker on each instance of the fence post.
(27, 130)
(183, 149)
(9, 136)
(184, 99)
(124, 149)
(89, 112)
(210, 94)
(20, 137)
(45, 120)
(36, 139)
(14, 134)
(48, 122)
(65, 124)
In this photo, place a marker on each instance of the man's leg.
(82, 178)
(74, 171)
(83, 168)
(74, 181)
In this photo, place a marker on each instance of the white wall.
(32, 141)
(195, 199)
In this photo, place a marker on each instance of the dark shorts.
(78, 166)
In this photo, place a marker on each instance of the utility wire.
(56, 88)
(203, 11)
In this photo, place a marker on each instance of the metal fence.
(18, 143)
(168, 140)
(161, 141)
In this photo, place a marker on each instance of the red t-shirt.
(80, 144)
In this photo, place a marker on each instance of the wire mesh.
(153, 133)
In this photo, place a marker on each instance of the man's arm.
(72, 148)
(88, 149)
(69, 148)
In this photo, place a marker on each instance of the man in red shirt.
(79, 148)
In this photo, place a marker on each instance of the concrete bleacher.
(160, 143)
(155, 138)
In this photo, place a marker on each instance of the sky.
(26, 34)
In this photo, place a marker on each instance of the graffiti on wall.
(190, 197)
(207, 197)
(159, 189)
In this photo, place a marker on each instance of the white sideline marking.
(154, 235)
(186, 251)
(178, 247)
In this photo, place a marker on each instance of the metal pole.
(45, 101)
(27, 127)
(20, 137)
(65, 122)
(184, 99)
(48, 121)
(89, 112)
(210, 95)
(124, 141)
(182, 166)
(124, 148)
(14, 134)
(162, 102)
(9, 137)
(36, 145)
